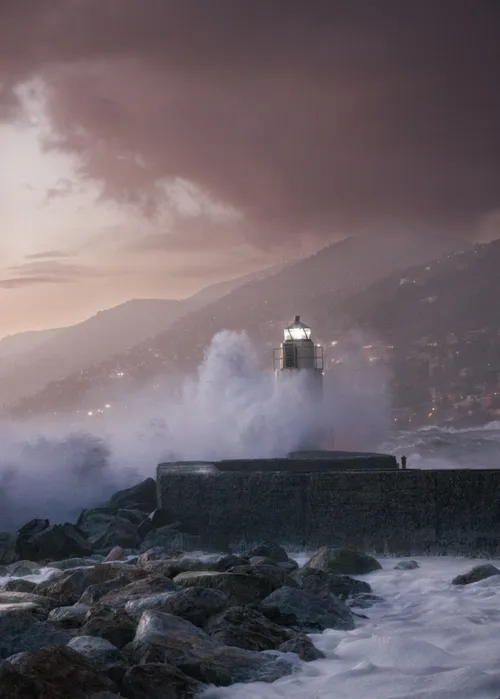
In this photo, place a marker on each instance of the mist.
(229, 409)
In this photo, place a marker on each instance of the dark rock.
(27, 598)
(72, 563)
(21, 568)
(320, 583)
(303, 647)
(139, 497)
(476, 574)
(407, 565)
(69, 617)
(57, 542)
(156, 518)
(289, 566)
(273, 573)
(103, 654)
(183, 564)
(166, 638)
(34, 526)
(244, 627)
(56, 672)
(23, 628)
(195, 604)
(133, 516)
(93, 593)
(308, 612)
(339, 560)
(69, 589)
(239, 588)
(269, 549)
(364, 601)
(18, 585)
(156, 681)
(140, 588)
(8, 548)
(106, 530)
(117, 627)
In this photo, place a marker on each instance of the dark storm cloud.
(319, 116)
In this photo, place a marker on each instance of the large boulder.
(303, 647)
(476, 574)
(323, 584)
(139, 497)
(170, 538)
(269, 549)
(196, 604)
(272, 572)
(23, 628)
(45, 602)
(116, 626)
(156, 681)
(305, 611)
(17, 585)
(117, 599)
(69, 617)
(244, 627)
(105, 529)
(103, 654)
(56, 672)
(8, 548)
(240, 588)
(57, 542)
(339, 560)
(190, 562)
(166, 638)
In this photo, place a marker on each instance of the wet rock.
(244, 627)
(117, 627)
(339, 560)
(303, 647)
(166, 638)
(212, 562)
(56, 672)
(93, 593)
(8, 548)
(156, 681)
(69, 617)
(320, 583)
(69, 589)
(103, 654)
(116, 554)
(139, 497)
(17, 585)
(140, 588)
(105, 529)
(305, 611)
(406, 565)
(21, 568)
(156, 518)
(34, 526)
(289, 566)
(273, 573)
(271, 550)
(476, 574)
(71, 563)
(133, 516)
(57, 542)
(195, 604)
(364, 601)
(23, 628)
(240, 588)
(27, 597)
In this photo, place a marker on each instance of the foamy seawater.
(428, 640)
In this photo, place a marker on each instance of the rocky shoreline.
(127, 607)
(123, 604)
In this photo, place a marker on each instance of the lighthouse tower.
(299, 354)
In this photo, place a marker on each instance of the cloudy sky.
(151, 147)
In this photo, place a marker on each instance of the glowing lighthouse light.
(298, 353)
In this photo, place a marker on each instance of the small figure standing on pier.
(403, 462)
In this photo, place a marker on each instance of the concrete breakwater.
(382, 511)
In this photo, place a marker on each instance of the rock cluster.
(161, 622)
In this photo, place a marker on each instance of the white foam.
(427, 640)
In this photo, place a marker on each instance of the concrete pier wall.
(400, 512)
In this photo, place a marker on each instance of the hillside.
(260, 307)
(32, 360)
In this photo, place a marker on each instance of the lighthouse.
(298, 354)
